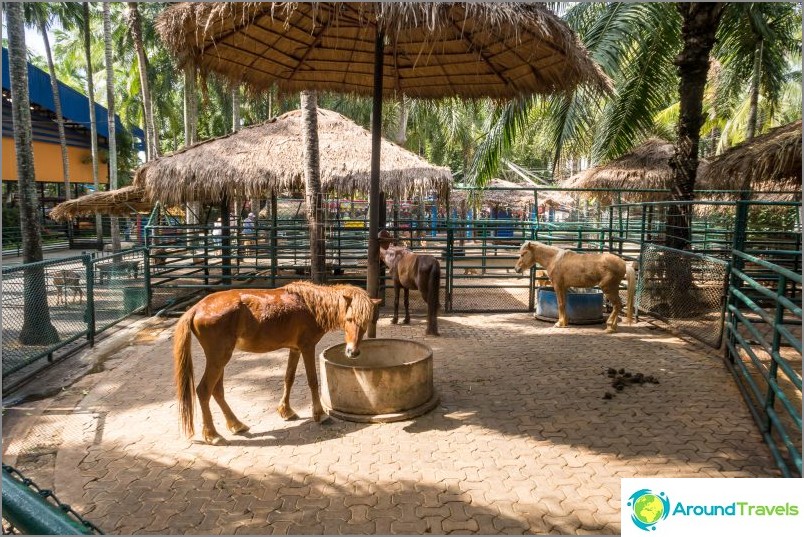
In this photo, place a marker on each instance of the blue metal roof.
(74, 105)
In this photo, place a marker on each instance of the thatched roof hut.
(768, 162)
(515, 198)
(433, 49)
(647, 167)
(119, 202)
(265, 158)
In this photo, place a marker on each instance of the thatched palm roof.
(646, 167)
(514, 198)
(432, 49)
(265, 158)
(119, 202)
(771, 161)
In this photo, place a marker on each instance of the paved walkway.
(522, 442)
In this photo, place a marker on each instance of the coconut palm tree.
(151, 131)
(37, 328)
(312, 185)
(107, 46)
(93, 121)
(41, 15)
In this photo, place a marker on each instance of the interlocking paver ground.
(522, 441)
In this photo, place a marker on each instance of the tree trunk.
(193, 209)
(54, 86)
(235, 109)
(700, 22)
(752, 111)
(107, 45)
(93, 120)
(151, 133)
(36, 327)
(401, 135)
(312, 183)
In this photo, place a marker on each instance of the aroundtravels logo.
(648, 508)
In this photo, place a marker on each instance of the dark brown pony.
(293, 317)
(412, 271)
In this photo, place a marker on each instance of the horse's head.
(526, 258)
(358, 310)
(385, 239)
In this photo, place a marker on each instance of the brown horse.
(569, 269)
(412, 271)
(293, 317)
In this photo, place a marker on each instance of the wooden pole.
(373, 272)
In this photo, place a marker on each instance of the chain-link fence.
(684, 289)
(29, 509)
(52, 307)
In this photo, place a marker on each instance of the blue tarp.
(74, 105)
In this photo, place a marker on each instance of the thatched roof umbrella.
(258, 160)
(646, 167)
(771, 161)
(119, 202)
(433, 50)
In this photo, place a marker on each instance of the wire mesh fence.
(52, 307)
(684, 289)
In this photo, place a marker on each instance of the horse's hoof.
(287, 413)
(321, 417)
(406, 321)
(559, 325)
(216, 440)
(432, 333)
(611, 330)
(394, 321)
(238, 428)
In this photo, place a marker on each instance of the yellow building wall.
(47, 163)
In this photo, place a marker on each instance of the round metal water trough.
(583, 306)
(390, 380)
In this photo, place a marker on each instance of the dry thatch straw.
(516, 199)
(771, 162)
(265, 158)
(432, 49)
(119, 202)
(646, 167)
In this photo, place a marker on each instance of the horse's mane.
(324, 302)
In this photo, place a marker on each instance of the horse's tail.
(433, 299)
(630, 273)
(183, 371)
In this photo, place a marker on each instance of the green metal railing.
(763, 350)
(31, 510)
(79, 297)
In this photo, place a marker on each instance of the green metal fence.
(763, 350)
(31, 510)
(79, 297)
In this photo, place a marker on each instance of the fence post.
(146, 264)
(450, 264)
(770, 399)
(89, 315)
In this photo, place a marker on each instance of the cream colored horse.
(569, 269)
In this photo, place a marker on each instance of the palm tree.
(107, 46)
(93, 121)
(37, 328)
(698, 29)
(41, 16)
(312, 184)
(151, 132)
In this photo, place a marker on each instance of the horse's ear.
(376, 301)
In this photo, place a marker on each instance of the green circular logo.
(648, 508)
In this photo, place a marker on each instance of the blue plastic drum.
(584, 306)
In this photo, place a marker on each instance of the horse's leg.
(397, 286)
(212, 374)
(232, 423)
(312, 381)
(406, 320)
(612, 293)
(561, 298)
(284, 409)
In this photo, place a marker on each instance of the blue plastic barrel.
(582, 307)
